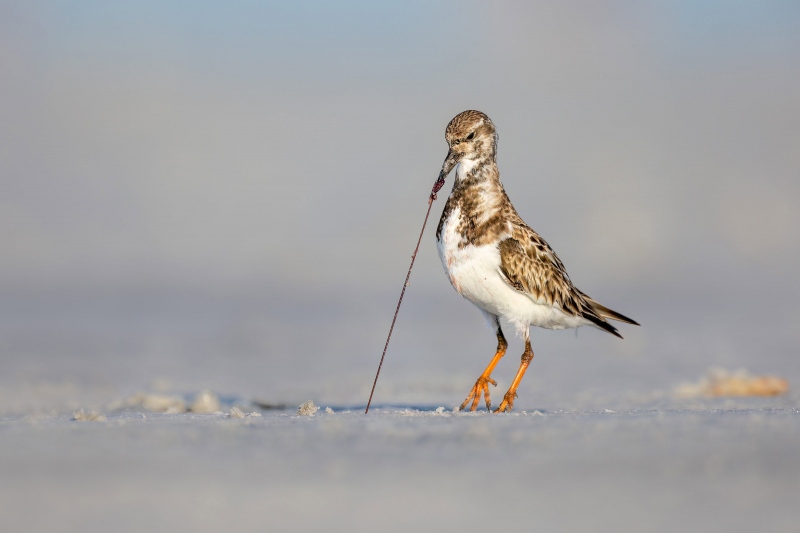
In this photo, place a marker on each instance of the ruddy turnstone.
(494, 260)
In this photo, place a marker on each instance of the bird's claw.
(508, 402)
(481, 387)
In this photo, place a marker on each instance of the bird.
(496, 261)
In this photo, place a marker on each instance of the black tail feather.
(602, 324)
(605, 312)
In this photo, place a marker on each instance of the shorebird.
(496, 261)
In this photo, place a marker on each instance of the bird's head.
(470, 135)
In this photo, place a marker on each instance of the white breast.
(474, 271)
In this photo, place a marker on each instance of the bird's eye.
(471, 136)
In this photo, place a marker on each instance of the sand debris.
(205, 402)
(155, 403)
(82, 416)
(235, 412)
(307, 409)
(721, 383)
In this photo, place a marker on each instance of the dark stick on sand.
(436, 186)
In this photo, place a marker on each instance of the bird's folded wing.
(532, 267)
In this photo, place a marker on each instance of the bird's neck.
(479, 199)
(480, 170)
(477, 189)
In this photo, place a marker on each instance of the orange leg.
(482, 385)
(508, 400)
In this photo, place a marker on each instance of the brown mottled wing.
(531, 266)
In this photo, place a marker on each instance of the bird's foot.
(481, 387)
(508, 402)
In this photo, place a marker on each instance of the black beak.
(449, 162)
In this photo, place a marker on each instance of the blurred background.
(226, 195)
